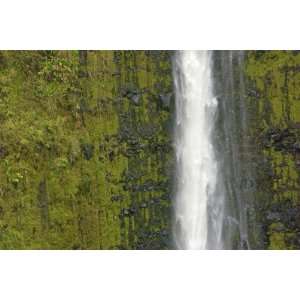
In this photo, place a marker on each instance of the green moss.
(280, 240)
(275, 128)
(63, 118)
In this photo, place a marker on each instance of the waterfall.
(234, 147)
(199, 203)
(214, 179)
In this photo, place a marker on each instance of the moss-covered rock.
(273, 81)
(86, 153)
(82, 149)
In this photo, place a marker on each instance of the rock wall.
(85, 150)
(273, 103)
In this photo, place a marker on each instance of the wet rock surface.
(92, 124)
(166, 99)
(274, 130)
(86, 155)
(3, 152)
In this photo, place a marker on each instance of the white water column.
(196, 175)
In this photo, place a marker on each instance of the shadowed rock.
(165, 99)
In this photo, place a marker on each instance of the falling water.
(214, 183)
(234, 148)
(199, 203)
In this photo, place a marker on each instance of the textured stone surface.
(85, 150)
(273, 81)
(86, 153)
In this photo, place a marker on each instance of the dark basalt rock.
(147, 186)
(296, 147)
(166, 99)
(147, 131)
(3, 152)
(87, 151)
(124, 213)
(135, 98)
(132, 94)
(131, 175)
(281, 140)
(143, 205)
(133, 210)
(253, 93)
(154, 201)
(273, 216)
(164, 232)
(111, 155)
(285, 214)
(116, 198)
(128, 212)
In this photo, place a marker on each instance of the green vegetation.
(274, 106)
(86, 156)
(84, 149)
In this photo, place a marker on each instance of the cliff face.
(273, 94)
(85, 149)
(86, 153)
